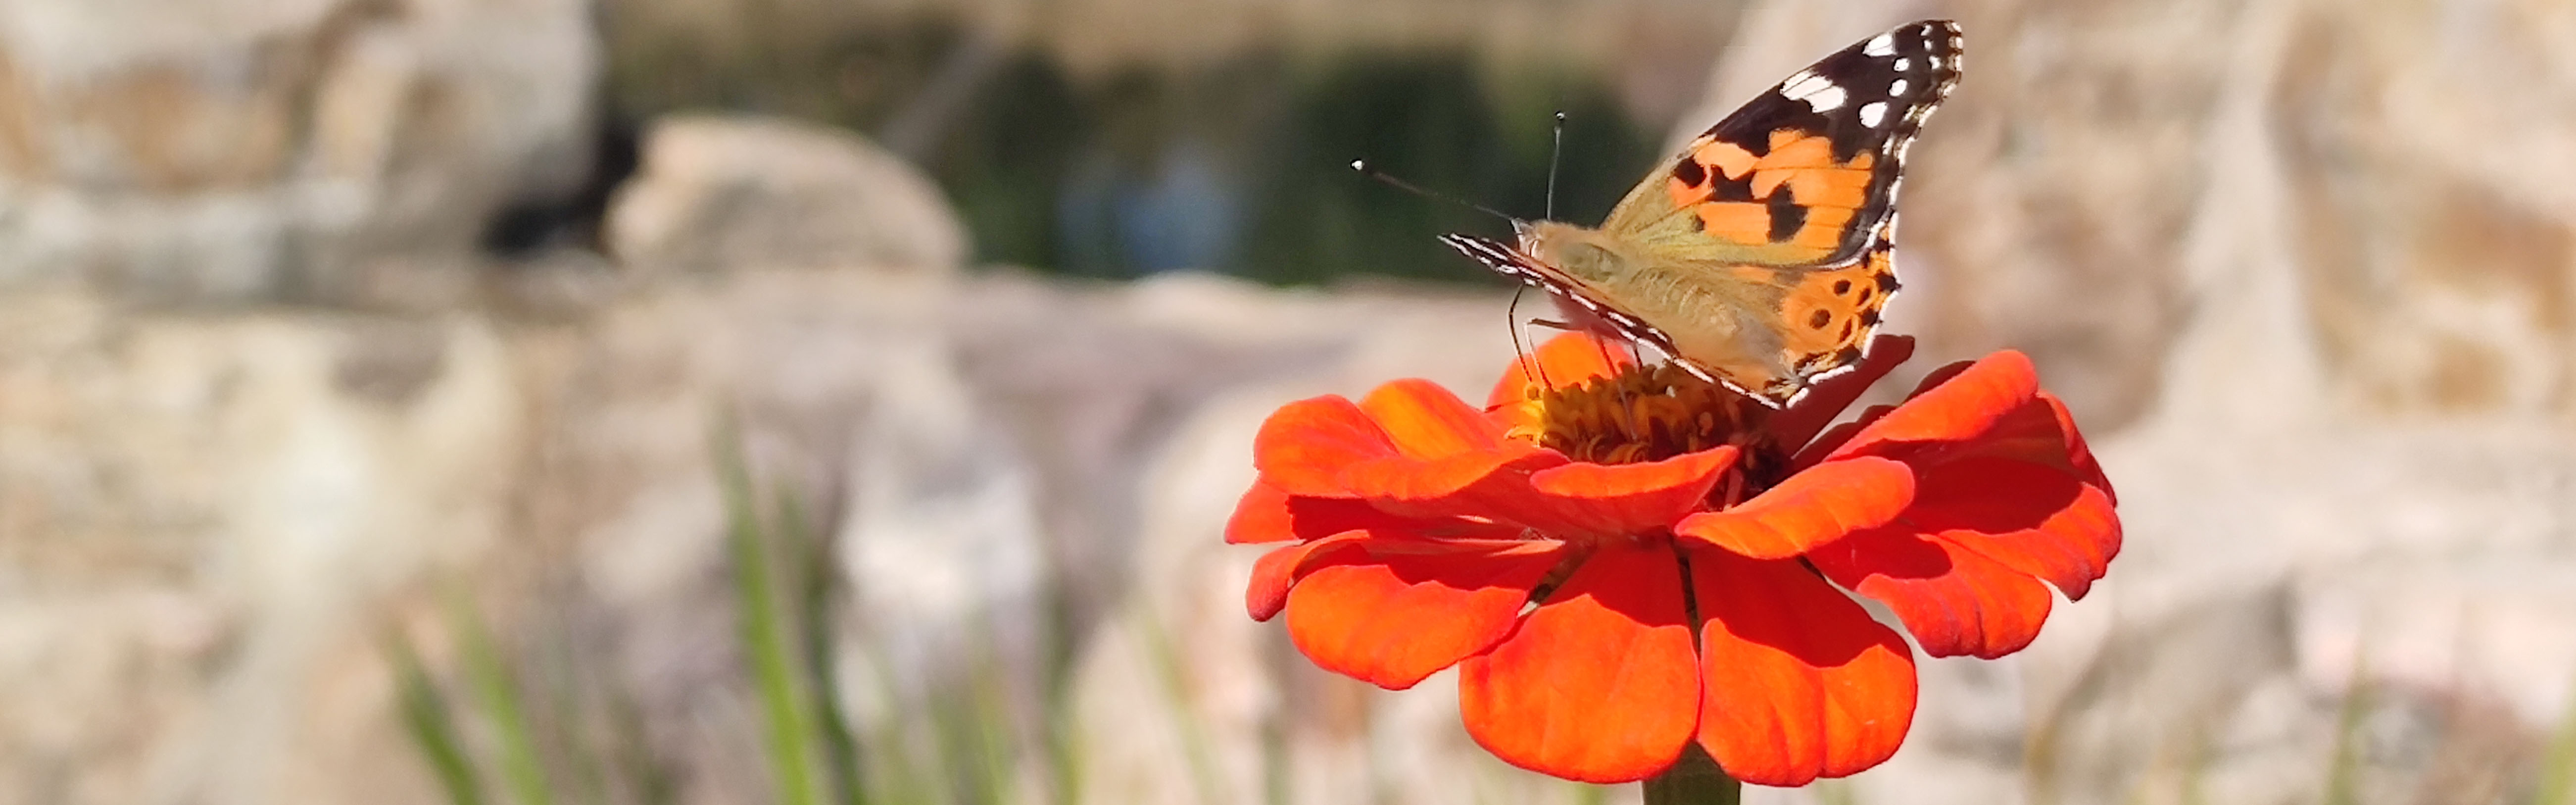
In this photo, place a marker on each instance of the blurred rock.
(209, 519)
(200, 523)
(2320, 345)
(2108, 173)
(250, 150)
(719, 193)
(2344, 471)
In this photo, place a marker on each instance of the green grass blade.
(647, 781)
(901, 768)
(1168, 667)
(431, 723)
(2343, 770)
(563, 725)
(813, 575)
(2557, 784)
(521, 768)
(764, 632)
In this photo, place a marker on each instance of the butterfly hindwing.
(1830, 313)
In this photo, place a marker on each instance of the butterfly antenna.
(1361, 165)
(1555, 153)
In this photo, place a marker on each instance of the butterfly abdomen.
(1710, 313)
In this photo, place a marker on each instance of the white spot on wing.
(1873, 112)
(1896, 88)
(1825, 100)
(1882, 45)
(1820, 93)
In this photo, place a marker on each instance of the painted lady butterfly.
(1762, 256)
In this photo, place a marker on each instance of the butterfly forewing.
(1806, 173)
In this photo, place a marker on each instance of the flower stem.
(1693, 780)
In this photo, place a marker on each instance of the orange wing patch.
(1737, 196)
(1822, 231)
(1728, 158)
(1830, 314)
(1739, 221)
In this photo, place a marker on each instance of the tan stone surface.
(248, 151)
(715, 193)
(2321, 345)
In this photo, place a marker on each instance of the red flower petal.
(1275, 572)
(1794, 426)
(1814, 507)
(1956, 601)
(1799, 682)
(1423, 484)
(1617, 499)
(1564, 361)
(1399, 610)
(2028, 517)
(1936, 377)
(1453, 462)
(1304, 446)
(1963, 407)
(1262, 515)
(1428, 422)
(1266, 514)
(2079, 453)
(1438, 447)
(2035, 431)
(1597, 684)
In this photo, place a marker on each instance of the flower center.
(1644, 413)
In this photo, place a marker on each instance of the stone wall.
(2321, 344)
(252, 151)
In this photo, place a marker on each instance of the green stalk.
(2344, 767)
(812, 573)
(521, 769)
(2558, 767)
(431, 723)
(764, 631)
(1693, 780)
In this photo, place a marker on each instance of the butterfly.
(1762, 255)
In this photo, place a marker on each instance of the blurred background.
(804, 401)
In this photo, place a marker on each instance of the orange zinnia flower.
(1681, 545)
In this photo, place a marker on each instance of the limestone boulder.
(251, 151)
(722, 193)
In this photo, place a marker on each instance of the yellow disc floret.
(1641, 414)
